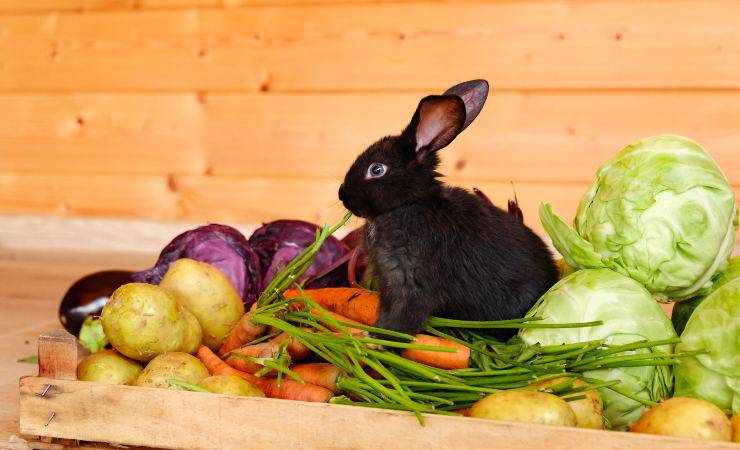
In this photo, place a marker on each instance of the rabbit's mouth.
(346, 201)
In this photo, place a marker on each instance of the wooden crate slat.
(179, 419)
(396, 46)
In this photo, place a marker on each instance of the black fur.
(439, 250)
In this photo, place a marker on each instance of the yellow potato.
(525, 406)
(735, 428)
(230, 385)
(108, 367)
(142, 321)
(208, 294)
(589, 411)
(172, 365)
(685, 417)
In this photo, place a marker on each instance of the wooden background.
(242, 111)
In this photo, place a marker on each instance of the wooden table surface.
(31, 286)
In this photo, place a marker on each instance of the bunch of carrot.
(446, 369)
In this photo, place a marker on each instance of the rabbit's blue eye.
(376, 170)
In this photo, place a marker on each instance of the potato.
(735, 428)
(142, 321)
(230, 385)
(589, 411)
(172, 365)
(208, 294)
(685, 417)
(108, 367)
(525, 406)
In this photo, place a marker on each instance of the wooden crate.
(56, 405)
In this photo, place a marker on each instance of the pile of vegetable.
(281, 315)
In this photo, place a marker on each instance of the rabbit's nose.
(341, 192)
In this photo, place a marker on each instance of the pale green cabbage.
(714, 326)
(660, 212)
(629, 314)
(682, 310)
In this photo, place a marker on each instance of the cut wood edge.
(58, 353)
(175, 419)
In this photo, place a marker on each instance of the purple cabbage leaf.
(221, 246)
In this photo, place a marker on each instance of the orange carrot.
(295, 349)
(320, 374)
(442, 360)
(354, 303)
(294, 390)
(288, 389)
(243, 332)
(464, 411)
(216, 366)
(262, 350)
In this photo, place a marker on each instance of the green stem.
(188, 386)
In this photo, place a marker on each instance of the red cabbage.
(278, 242)
(221, 246)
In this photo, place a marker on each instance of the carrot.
(294, 390)
(216, 366)
(288, 389)
(320, 374)
(464, 411)
(243, 332)
(354, 303)
(262, 350)
(295, 349)
(269, 349)
(442, 360)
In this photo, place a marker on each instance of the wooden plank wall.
(243, 111)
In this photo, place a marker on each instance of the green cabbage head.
(683, 310)
(714, 326)
(660, 212)
(629, 314)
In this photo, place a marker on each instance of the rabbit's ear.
(437, 121)
(474, 94)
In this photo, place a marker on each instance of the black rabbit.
(435, 249)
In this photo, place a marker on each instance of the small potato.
(108, 367)
(735, 428)
(230, 385)
(172, 365)
(685, 417)
(589, 411)
(208, 294)
(525, 406)
(143, 320)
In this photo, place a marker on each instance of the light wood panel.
(537, 136)
(232, 199)
(105, 195)
(226, 199)
(29, 6)
(532, 45)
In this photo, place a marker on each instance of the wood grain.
(233, 199)
(228, 199)
(28, 6)
(396, 46)
(534, 136)
(58, 355)
(176, 419)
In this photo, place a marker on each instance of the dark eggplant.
(87, 296)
